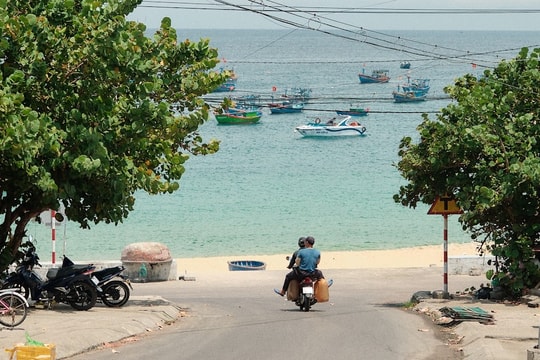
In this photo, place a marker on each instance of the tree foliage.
(86, 111)
(484, 149)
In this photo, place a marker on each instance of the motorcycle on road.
(308, 292)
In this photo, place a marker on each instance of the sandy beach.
(422, 256)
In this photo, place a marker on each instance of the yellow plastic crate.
(25, 352)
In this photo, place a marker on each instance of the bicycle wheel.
(13, 310)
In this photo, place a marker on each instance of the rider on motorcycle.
(307, 260)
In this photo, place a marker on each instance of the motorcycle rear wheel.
(13, 310)
(115, 293)
(82, 296)
(306, 303)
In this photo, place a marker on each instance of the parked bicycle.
(13, 308)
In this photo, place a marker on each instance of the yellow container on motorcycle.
(293, 291)
(321, 290)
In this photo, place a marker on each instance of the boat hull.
(352, 112)
(286, 108)
(378, 76)
(366, 79)
(330, 131)
(408, 97)
(246, 265)
(233, 119)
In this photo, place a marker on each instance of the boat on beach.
(337, 126)
(377, 76)
(246, 265)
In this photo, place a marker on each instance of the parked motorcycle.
(71, 284)
(114, 287)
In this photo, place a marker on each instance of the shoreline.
(420, 256)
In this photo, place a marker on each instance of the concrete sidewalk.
(75, 331)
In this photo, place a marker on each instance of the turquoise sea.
(267, 186)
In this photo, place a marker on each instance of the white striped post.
(445, 235)
(53, 236)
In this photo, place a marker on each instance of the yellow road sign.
(444, 205)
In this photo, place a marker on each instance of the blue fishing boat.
(417, 85)
(408, 96)
(230, 84)
(414, 91)
(246, 265)
(286, 107)
(405, 65)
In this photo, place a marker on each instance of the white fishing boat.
(337, 126)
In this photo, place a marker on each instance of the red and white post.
(445, 256)
(53, 236)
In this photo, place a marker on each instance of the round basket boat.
(246, 265)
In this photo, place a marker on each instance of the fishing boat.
(248, 102)
(238, 116)
(418, 85)
(415, 90)
(354, 112)
(246, 265)
(286, 107)
(408, 96)
(301, 95)
(337, 126)
(405, 65)
(377, 76)
(229, 84)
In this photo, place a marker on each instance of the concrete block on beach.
(473, 265)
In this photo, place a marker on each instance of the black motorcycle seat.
(101, 274)
(53, 273)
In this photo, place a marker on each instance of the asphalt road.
(236, 315)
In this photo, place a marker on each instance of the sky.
(517, 15)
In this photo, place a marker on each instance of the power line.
(259, 5)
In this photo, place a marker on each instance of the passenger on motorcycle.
(307, 260)
(301, 245)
